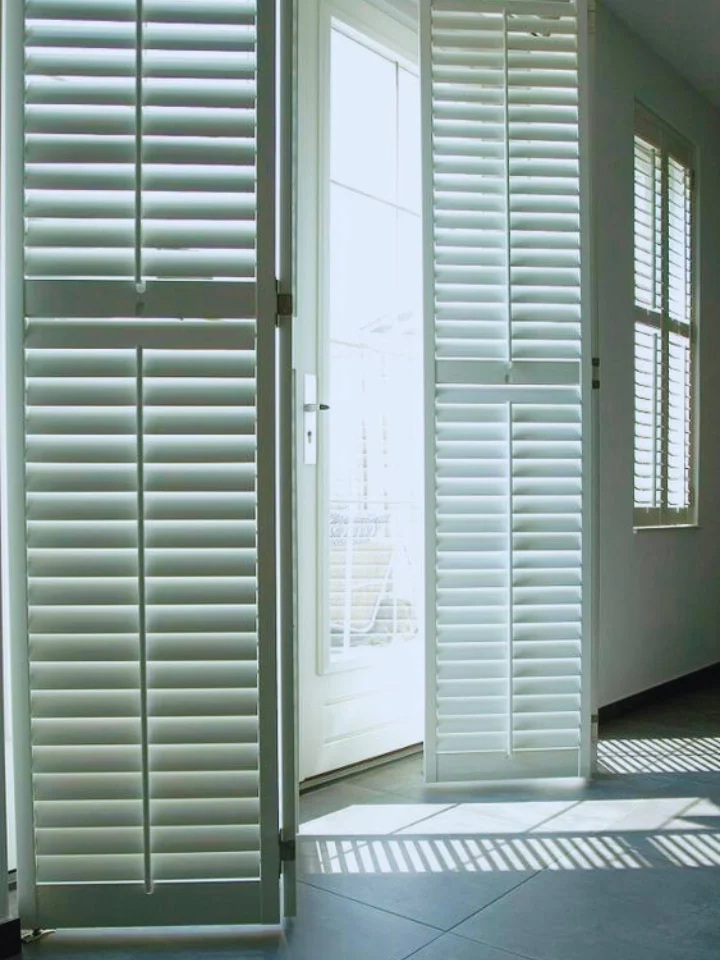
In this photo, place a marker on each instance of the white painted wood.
(4, 806)
(150, 792)
(506, 443)
(287, 559)
(12, 490)
(665, 326)
(586, 11)
(354, 710)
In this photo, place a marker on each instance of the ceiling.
(686, 33)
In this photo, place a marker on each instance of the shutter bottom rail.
(179, 904)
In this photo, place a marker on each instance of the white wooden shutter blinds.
(664, 331)
(149, 300)
(505, 401)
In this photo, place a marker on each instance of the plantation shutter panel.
(680, 338)
(664, 330)
(648, 334)
(149, 435)
(505, 398)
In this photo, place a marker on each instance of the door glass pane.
(363, 118)
(374, 368)
(409, 141)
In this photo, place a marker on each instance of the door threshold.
(342, 773)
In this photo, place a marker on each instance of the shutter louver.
(80, 134)
(544, 187)
(148, 442)
(198, 136)
(664, 333)
(504, 303)
(648, 417)
(680, 310)
(648, 226)
(473, 572)
(200, 575)
(83, 597)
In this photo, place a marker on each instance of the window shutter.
(648, 225)
(648, 339)
(680, 310)
(504, 409)
(149, 431)
(663, 328)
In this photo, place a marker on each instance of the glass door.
(367, 678)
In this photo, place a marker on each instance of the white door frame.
(287, 568)
(312, 202)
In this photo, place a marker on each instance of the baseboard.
(690, 683)
(324, 779)
(10, 939)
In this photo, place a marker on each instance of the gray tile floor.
(626, 867)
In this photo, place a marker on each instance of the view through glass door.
(362, 693)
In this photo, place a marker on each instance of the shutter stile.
(142, 413)
(505, 299)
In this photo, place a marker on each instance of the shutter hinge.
(284, 304)
(596, 373)
(288, 850)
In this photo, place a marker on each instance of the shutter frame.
(675, 503)
(124, 321)
(529, 742)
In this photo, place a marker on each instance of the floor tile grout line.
(496, 900)
(372, 906)
(542, 823)
(680, 813)
(414, 953)
(446, 809)
(484, 943)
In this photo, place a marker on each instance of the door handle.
(311, 408)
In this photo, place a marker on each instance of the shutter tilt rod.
(139, 40)
(144, 737)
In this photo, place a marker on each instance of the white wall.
(659, 590)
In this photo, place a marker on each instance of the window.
(665, 335)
